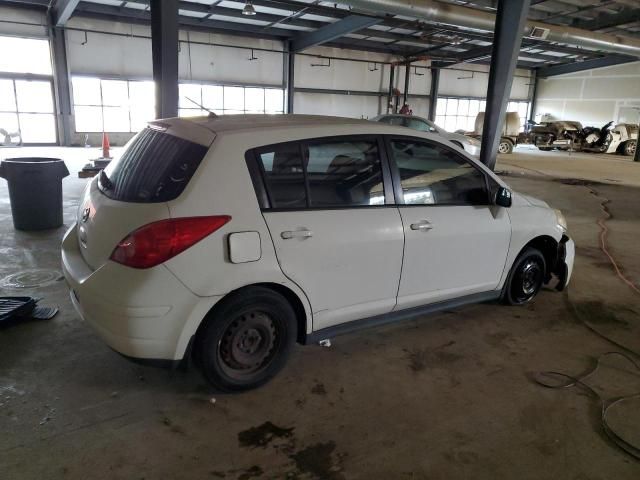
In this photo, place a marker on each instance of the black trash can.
(35, 191)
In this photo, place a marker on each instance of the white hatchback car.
(231, 238)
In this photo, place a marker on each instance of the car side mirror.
(503, 197)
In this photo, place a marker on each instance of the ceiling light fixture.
(248, 9)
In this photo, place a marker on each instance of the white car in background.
(469, 144)
(231, 238)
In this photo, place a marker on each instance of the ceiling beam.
(608, 20)
(108, 12)
(562, 69)
(332, 31)
(62, 11)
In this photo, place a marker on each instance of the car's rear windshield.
(155, 167)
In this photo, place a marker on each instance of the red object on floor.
(105, 145)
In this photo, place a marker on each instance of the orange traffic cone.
(105, 145)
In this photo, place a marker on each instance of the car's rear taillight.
(157, 242)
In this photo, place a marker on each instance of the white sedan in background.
(470, 145)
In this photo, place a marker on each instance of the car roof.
(228, 123)
(399, 115)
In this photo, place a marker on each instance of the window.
(26, 110)
(223, 99)
(432, 175)
(25, 55)
(284, 176)
(454, 114)
(345, 173)
(112, 105)
(155, 167)
(333, 173)
(523, 110)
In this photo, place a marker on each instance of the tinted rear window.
(155, 167)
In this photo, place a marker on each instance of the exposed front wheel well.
(548, 246)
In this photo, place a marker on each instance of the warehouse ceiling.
(313, 22)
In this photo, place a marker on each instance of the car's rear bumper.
(142, 314)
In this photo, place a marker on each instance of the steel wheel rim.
(503, 148)
(248, 344)
(528, 280)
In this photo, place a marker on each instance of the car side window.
(344, 173)
(433, 175)
(284, 175)
(420, 125)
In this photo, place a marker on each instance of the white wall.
(471, 80)
(130, 56)
(592, 97)
(369, 76)
(18, 21)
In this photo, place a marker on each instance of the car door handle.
(422, 226)
(296, 234)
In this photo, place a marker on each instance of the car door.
(335, 233)
(456, 240)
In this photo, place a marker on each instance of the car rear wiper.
(105, 183)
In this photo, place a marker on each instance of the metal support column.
(533, 95)
(407, 72)
(61, 85)
(507, 38)
(433, 93)
(392, 75)
(164, 51)
(636, 156)
(290, 79)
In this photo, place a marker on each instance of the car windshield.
(155, 167)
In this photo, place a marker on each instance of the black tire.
(525, 278)
(246, 340)
(629, 148)
(505, 147)
(545, 149)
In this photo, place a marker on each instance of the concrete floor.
(445, 397)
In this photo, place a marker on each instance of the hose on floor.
(603, 238)
(558, 380)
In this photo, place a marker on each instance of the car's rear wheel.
(247, 339)
(526, 277)
(505, 146)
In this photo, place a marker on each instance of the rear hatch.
(154, 168)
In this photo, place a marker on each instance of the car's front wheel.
(247, 339)
(526, 277)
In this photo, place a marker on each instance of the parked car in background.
(570, 135)
(228, 239)
(510, 131)
(469, 144)
(560, 134)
